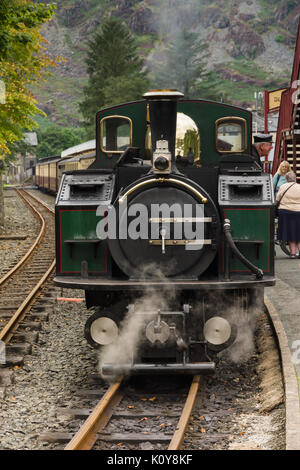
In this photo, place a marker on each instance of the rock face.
(214, 16)
(141, 20)
(72, 15)
(235, 30)
(245, 41)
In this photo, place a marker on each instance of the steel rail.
(178, 436)
(33, 246)
(7, 332)
(85, 438)
(36, 199)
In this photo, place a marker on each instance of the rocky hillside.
(251, 43)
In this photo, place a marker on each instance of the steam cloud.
(241, 316)
(124, 349)
(172, 19)
(243, 347)
(245, 320)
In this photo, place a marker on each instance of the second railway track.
(20, 286)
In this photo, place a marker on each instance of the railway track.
(151, 420)
(21, 285)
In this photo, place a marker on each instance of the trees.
(23, 58)
(114, 68)
(184, 66)
(54, 139)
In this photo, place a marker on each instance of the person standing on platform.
(279, 178)
(289, 213)
(263, 144)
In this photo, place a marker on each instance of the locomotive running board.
(144, 369)
(100, 283)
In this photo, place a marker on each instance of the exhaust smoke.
(123, 350)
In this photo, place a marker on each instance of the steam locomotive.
(170, 232)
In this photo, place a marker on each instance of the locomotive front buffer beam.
(166, 369)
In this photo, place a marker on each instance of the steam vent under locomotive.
(170, 232)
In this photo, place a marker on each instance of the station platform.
(285, 297)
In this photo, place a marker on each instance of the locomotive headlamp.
(217, 331)
(162, 157)
(100, 331)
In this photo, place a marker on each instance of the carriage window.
(231, 135)
(116, 134)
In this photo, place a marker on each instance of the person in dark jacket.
(263, 144)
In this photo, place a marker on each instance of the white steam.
(235, 308)
(172, 18)
(244, 346)
(123, 350)
(243, 317)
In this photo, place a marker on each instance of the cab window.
(231, 135)
(116, 134)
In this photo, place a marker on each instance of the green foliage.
(114, 69)
(23, 58)
(18, 20)
(117, 89)
(185, 67)
(191, 142)
(54, 139)
(19, 147)
(280, 38)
